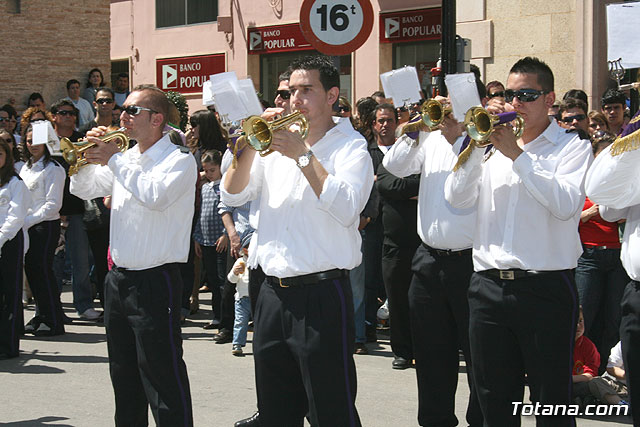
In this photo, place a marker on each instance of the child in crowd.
(239, 275)
(209, 236)
(586, 361)
(611, 387)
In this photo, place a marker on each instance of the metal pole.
(448, 39)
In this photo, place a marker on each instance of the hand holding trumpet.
(101, 151)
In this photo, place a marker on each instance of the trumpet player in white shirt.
(151, 185)
(522, 297)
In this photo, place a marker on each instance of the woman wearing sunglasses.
(14, 203)
(7, 137)
(45, 180)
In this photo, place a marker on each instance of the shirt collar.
(154, 153)
(551, 134)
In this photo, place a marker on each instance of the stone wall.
(50, 42)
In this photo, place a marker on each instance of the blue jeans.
(241, 323)
(77, 245)
(601, 279)
(356, 277)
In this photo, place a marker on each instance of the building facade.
(45, 44)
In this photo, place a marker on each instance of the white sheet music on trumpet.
(401, 85)
(463, 93)
(234, 99)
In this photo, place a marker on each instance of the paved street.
(64, 381)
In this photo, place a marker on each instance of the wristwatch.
(303, 161)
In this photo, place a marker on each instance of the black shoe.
(223, 337)
(361, 348)
(32, 325)
(252, 421)
(370, 333)
(400, 363)
(66, 319)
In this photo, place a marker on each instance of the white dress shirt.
(46, 185)
(15, 201)
(528, 209)
(299, 233)
(614, 182)
(440, 225)
(152, 203)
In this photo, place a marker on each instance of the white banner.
(622, 24)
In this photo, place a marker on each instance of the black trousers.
(11, 316)
(38, 266)
(630, 337)
(396, 272)
(215, 267)
(517, 327)
(99, 242)
(440, 326)
(227, 300)
(303, 350)
(372, 238)
(256, 277)
(142, 319)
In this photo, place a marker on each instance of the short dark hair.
(158, 100)
(570, 103)
(122, 75)
(6, 171)
(284, 76)
(55, 107)
(10, 110)
(378, 93)
(72, 81)
(385, 106)
(329, 75)
(577, 94)
(35, 96)
(494, 83)
(531, 65)
(106, 89)
(212, 156)
(613, 96)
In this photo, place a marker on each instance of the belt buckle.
(507, 275)
(282, 285)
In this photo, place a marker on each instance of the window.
(173, 13)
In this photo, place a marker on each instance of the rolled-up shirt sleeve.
(560, 191)
(250, 192)
(614, 181)
(92, 181)
(405, 157)
(462, 186)
(346, 191)
(19, 201)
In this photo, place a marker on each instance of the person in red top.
(586, 361)
(600, 277)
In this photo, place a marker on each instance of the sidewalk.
(72, 386)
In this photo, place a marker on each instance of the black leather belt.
(512, 274)
(446, 252)
(599, 247)
(308, 279)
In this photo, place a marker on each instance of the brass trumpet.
(259, 132)
(73, 152)
(480, 124)
(432, 114)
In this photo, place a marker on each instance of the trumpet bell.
(480, 124)
(259, 132)
(432, 113)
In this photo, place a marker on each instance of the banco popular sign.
(411, 25)
(187, 74)
(276, 38)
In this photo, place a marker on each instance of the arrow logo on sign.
(255, 41)
(391, 27)
(170, 76)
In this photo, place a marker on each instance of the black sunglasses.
(104, 101)
(2, 119)
(344, 109)
(523, 95)
(67, 113)
(578, 117)
(495, 94)
(134, 110)
(284, 94)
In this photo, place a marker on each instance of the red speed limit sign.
(336, 27)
